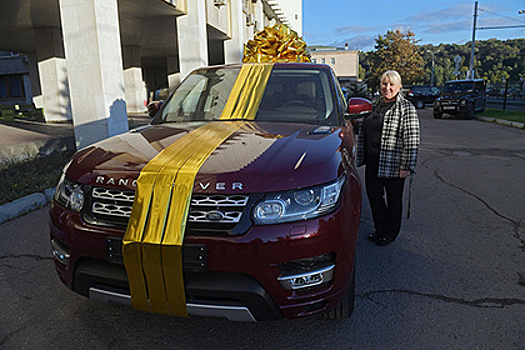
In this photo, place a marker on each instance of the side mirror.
(358, 107)
(153, 107)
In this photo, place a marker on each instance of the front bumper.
(452, 108)
(242, 276)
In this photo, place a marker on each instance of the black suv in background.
(461, 97)
(420, 95)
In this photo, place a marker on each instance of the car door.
(479, 93)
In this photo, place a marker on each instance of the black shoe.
(373, 237)
(383, 241)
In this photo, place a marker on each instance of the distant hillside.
(494, 60)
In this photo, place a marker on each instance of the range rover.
(272, 224)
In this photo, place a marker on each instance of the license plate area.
(449, 107)
(194, 256)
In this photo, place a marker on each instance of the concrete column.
(133, 83)
(27, 88)
(234, 47)
(173, 70)
(192, 38)
(94, 65)
(259, 16)
(33, 74)
(53, 94)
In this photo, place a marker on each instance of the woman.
(388, 144)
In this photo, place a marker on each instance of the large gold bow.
(276, 44)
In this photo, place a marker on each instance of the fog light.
(308, 279)
(59, 252)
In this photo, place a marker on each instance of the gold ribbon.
(276, 44)
(152, 244)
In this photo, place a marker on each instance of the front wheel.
(469, 114)
(438, 115)
(345, 308)
(419, 104)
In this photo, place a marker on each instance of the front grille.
(194, 256)
(217, 208)
(110, 206)
(112, 202)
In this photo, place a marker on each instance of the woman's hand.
(404, 173)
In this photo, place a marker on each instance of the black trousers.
(386, 212)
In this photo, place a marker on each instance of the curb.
(25, 205)
(516, 125)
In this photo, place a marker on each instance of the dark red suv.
(274, 216)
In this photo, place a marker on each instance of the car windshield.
(291, 95)
(420, 89)
(455, 88)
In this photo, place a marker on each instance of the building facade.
(15, 83)
(344, 62)
(96, 61)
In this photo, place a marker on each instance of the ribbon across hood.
(152, 244)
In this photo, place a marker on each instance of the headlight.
(463, 102)
(296, 205)
(70, 194)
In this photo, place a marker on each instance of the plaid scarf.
(399, 140)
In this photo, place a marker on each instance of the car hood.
(258, 157)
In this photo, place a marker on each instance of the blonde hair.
(393, 76)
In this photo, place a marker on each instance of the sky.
(360, 22)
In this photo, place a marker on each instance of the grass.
(34, 175)
(515, 116)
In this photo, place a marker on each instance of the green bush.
(35, 175)
(7, 114)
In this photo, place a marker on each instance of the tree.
(397, 51)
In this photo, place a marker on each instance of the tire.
(469, 114)
(345, 308)
(420, 104)
(438, 115)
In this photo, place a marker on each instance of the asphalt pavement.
(452, 280)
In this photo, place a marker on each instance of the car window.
(480, 87)
(454, 88)
(201, 96)
(420, 89)
(291, 95)
(296, 95)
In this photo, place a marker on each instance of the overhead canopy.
(148, 24)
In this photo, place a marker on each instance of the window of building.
(323, 61)
(314, 60)
(332, 60)
(246, 6)
(11, 86)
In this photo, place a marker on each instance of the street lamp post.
(432, 70)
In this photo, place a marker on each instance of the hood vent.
(322, 130)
